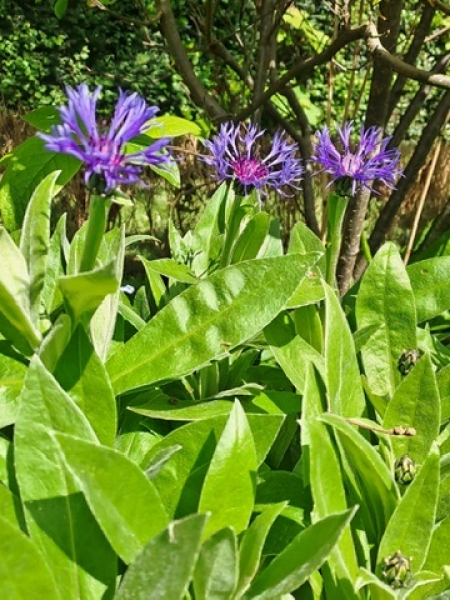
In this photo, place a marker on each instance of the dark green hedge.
(40, 54)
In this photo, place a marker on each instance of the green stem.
(336, 211)
(365, 247)
(96, 226)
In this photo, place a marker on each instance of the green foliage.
(40, 54)
(227, 431)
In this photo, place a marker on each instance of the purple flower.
(235, 154)
(102, 149)
(357, 165)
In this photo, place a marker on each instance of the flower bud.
(404, 470)
(407, 360)
(397, 570)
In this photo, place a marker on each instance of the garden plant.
(240, 426)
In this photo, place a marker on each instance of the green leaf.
(252, 238)
(180, 486)
(252, 545)
(82, 375)
(12, 373)
(170, 126)
(24, 574)
(51, 294)
(411, 526)
(326, 481)
(43, 118)
(386, 301)
(291, 351)
(163, 569)
(103, 322)
(302, 240)
(58, 519)
(429, 282)
(29, 164)
(345, 391)
(415, 404)
(86, 291)
(35, 239)
(15, 318)
(206, 321)
(215, 573)
(169, 171)
(298, 561)
(165, 407)
(228, 491)
(375, 481)
(124, 502)
(439, 550)
(170, 268)
(209, 231)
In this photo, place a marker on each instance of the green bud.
(397, 570)
(407, 360)
(404, 469)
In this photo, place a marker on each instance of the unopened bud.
(407, 360)
(397, 571)
(404, 470)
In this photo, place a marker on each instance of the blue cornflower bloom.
(235, 154)
(351, 165)
(102, 149)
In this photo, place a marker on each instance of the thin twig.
(398, 430)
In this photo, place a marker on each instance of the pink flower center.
(249, 170)
(351, 164)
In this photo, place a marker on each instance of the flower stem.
(337, 205)
(96, 225)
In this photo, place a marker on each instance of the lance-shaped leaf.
(122, 499)
(345, 391)
(415, 404)
(386, 301)
(429, 281)
(24, 573)
(207, 320)
(298, 561)
(325, 477)
(180, 485)
(229, 488)
(252, 544)
(216, 570)
(58, 518)
(375, 481)
(103, 322)
(411, 526)
(35, 238)
(163, 569)
(82, 375)
(15, 316)
(85, 292)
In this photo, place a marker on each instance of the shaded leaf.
(122, 499)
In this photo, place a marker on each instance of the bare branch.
(345, 37)
(412, 54)
(200, 94)
(423, 147)
(304, 143)
(400, 66)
